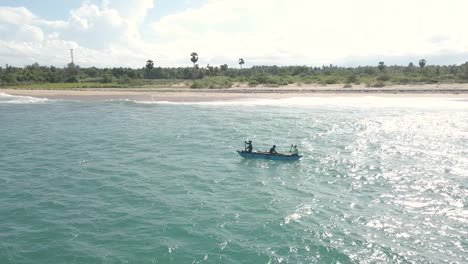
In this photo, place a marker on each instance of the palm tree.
(422, 63)
(223, 67)
(148, 74)
(149, 64)
(381, 66)
(194, 58)
(241, 62)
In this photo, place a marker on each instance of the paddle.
(290, 149)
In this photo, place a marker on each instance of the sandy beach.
(236, 93)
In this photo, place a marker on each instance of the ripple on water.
(125, 182)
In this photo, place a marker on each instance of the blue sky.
(59, 9)
(114, 33)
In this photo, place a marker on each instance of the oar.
(290, 149)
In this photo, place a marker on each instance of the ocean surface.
(382, 180)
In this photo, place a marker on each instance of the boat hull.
(265, 155)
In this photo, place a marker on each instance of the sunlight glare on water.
(382, 180)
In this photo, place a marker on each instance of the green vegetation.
(52, 86)
(212, 82)
(73, 76)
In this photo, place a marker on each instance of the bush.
(351, 79)
(241, 79)
(253, 83)
(383, 78)
(329, 80)
(106, 78)
(261, 78)
(347, 86)
(403, 80)
(125, 80)
(72, 79)
(212, 83)
(431, 80)
(196, 84)
(10, 78)
(273, 80)
(377, 84)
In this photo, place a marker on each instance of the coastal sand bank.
(236, 93)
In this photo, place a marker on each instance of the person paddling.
(273, 150)
(294, 151)
(248, 147)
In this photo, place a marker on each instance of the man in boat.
(248, 147)
(295, 151)
(273, 150)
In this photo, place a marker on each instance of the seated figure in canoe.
(294, 151)
(273, 150)
(248, 146)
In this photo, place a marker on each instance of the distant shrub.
(196, 84)
(72, 79)
(253, 83)
(403, 80)
(378, 84)
(261, 78)
(347, 86)
(351, 79)
(107, 78)
(124, 80)
(212, 83)
(383, 78)
(10, 78)
(274, 80)
(329, 80)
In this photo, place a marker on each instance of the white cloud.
(30, 33)
(16, 15)
(284, 32)
(103, 35)
(316, 32)
(89, 16)
(21, 16)
(49, 52)
(53, 35)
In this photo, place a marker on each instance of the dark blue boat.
(266, 155)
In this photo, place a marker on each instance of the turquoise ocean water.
(382, 180)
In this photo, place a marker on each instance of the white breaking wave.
(348, 101)
(19, 99)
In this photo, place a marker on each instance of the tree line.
(376, 75)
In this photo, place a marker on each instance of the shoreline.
(239, 93)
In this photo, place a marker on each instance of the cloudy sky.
(114, 33)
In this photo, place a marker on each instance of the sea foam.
(20, 99)
(345, 101)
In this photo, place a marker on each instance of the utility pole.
(71, 53)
